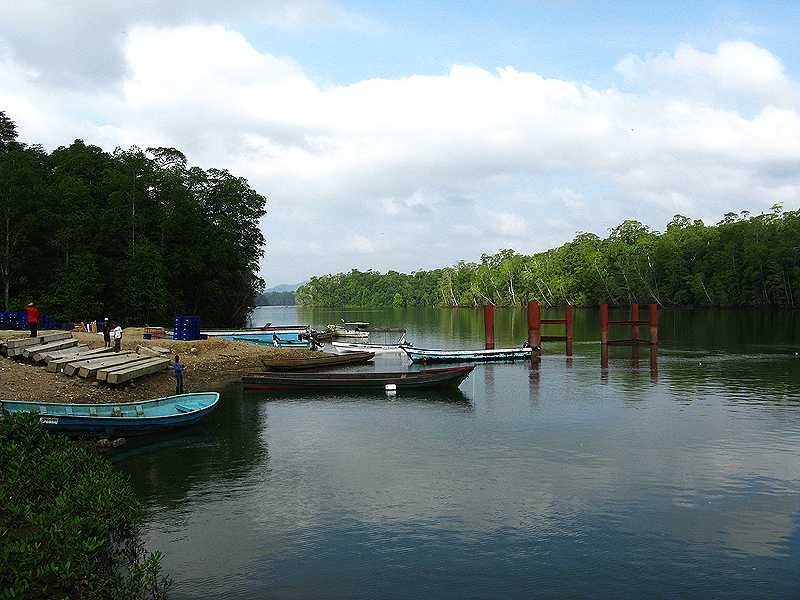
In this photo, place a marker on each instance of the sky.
(411, 135)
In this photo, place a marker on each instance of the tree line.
(744, 260)
(135, 235)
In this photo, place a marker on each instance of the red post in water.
(488, 325)
(654, 364)
(534, 324)
(604, 324)
(635, 325)
(654, 324)
(568, 328)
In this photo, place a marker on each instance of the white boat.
(350, 333)
(376, 348)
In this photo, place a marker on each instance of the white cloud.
(442, 154)
(361, 245)
(738, 67)
(74, 43)
(508, 224)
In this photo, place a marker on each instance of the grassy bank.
(70, 525)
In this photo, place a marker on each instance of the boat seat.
(42, 410)
(185, 408)
(116, 412)
(92, 411)
(139, 411)
(68, 410)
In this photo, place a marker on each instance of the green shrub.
(70, 525)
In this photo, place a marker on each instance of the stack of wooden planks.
(62, 353)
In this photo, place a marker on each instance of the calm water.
(556, 481)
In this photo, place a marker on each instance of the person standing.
(33, 318)
(106, 333)
(116, 333)
(178, 375)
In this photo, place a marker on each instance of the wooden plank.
(127, 374)
(56, 365)
(29, 351)
(145, 351)
(46, 355)
(102, 374)
(95, 363)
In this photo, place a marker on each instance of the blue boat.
(271, 341)
(122, 419)
(426, 356)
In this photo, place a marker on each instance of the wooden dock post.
(488, 325)
(534, 324)
(568, 328)
(604, 324)
(653, 324)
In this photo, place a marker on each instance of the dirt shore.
(208, 365)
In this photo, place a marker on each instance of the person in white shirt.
(116, 333)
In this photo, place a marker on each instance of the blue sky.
(579, 40)
(411, 135)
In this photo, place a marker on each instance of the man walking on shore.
(178, 375)
(33, 318)
(116, 333)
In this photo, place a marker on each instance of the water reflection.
(541, 478)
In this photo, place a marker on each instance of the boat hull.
(428, 378)
(68, 417)
(328, 360)
(376, 348)
(421, 355)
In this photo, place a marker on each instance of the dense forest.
(743, 260)
(137, 236)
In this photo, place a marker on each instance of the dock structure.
(535, 322)
(634, 322)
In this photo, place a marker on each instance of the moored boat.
(376, 348)
(274, 341)
(426, 378)
(325, 359)
(124, 418)
(425, 355)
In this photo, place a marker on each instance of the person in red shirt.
(33, 318)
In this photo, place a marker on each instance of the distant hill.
(284, 287)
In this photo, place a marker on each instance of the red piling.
(534, 324)
(604, 324)
(653, 324)
(488, 325)
(635, 322)
(568, 328)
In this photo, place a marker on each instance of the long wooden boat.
(423, 355)
(427, 378)
(124, 418)
(359, 347)
(324, 359)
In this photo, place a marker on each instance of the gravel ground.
(208, 364)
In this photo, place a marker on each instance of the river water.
(557, 480)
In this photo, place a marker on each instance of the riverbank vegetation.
(743, 260)
(135, 235)
(70, 525)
